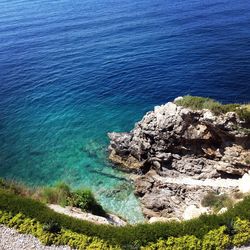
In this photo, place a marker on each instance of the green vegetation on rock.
(196, 103)
(216, 201)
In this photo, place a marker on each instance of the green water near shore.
(46, 148)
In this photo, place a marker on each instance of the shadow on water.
(9, 156)
(2, 127)
(93, 171)
(37, 153)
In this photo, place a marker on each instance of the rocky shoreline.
(178, 155)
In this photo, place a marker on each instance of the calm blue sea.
(71, 71)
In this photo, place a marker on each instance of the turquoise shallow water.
(66, 143)
(71, 71)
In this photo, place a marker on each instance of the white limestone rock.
(244, 185)
(192, 212)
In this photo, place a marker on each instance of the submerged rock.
(173, 141)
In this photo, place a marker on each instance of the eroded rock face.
(189, 141)
(176, 141)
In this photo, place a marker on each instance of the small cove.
(71, 72)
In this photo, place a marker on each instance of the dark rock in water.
(99, 172)
(87, 166)
(120, 192)
(94, 149)
(173, 141)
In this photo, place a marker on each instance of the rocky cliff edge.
(179, 154)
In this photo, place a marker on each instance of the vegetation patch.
(59, 194)
(196, 103)
(127, 237)
(247, 160)
(52, 233)
(217, 239)
(217, 201)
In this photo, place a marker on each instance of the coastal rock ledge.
(178, 155)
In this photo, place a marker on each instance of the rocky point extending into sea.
(177, 155)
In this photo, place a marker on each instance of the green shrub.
(196, 102)
(85, 200)
(216, 239)
(5, 217)
(182, 243)
(242, 232)
(49, 195)
(52, 227)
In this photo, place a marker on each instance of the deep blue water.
(70, 71)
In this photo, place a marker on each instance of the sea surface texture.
(71, 71)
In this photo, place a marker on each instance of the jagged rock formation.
(173, 141)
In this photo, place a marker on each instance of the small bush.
(81, 198)
(52, 227)
(85, 200)
(216, 201)
(238, 195)
(216, 239)
(247, 160)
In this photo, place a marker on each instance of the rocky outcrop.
(173, 141)
(170, 197)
